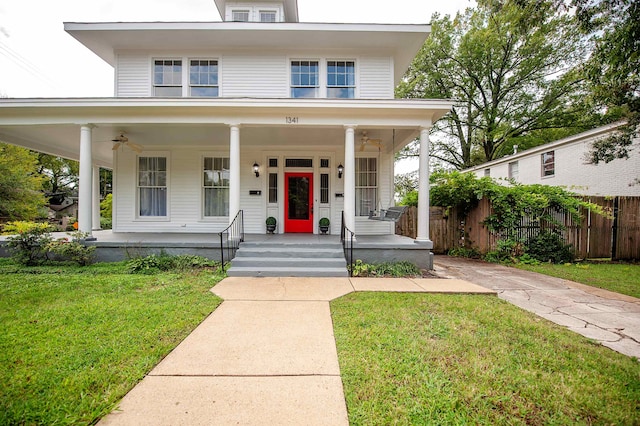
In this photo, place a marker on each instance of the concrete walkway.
(266, 355)
(612, 319)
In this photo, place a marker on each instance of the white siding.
(572, 170)
(376, 78)
(254, 76)
(133, 76)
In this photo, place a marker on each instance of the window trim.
(148, 154)
(355, 77)
(376, 187)
(203, 158)
(543, 173)
(153, 76)
(260, 11)
(248, 10)
(510, 169)
(217, 85)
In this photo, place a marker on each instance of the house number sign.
(291, 120)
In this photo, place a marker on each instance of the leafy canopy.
(509, 66)
(20, 185)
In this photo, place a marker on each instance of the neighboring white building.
(206, 103)
(564, 163)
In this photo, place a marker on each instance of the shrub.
(508, 250)
(550, 247)
(165, 262)
(29, 245)
(385, 269)
(470, 253)
(73, 249)
(105, 223)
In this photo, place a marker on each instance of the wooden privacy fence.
(594, 237)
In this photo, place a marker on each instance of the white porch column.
(234, 166)
(96, 198)
(423, 188)
(349, 178)
(85, 186)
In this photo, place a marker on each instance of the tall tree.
(20, 184)
(509, 66)
(614, 69)
(61, 175)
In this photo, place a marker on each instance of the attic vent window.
(273, 162)
(299, 162)
(240, 16)
(324, 162)
(267, 16)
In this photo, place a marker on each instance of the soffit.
(400, 41)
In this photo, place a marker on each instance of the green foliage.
(508, 250)
(410, 199)
(511, 67)
(459, 190)
(324, 222)
(550, 247)
(385, 269)
(468, 252)
(163, 262)
(20, 184)
(105, 223)
(28, 245)
(61, 174)
(73, 249)
(271, 221)
(106, 207)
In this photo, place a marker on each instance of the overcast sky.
(38, 59)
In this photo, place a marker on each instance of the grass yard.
(75, 340)
(619, 277)
(452, 359)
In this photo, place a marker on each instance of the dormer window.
(240, 15)
(268, 16)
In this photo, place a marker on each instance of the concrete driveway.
(612, 319)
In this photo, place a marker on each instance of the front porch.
(117, 246)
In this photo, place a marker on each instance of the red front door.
(298, 202)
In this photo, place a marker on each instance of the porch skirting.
(114, 247)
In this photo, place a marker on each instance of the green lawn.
(451, 359)
(75, 340)
(619, 277)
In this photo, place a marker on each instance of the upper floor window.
(240, 15)
(203, 78)
(341, 79)
(487, 172)
(268, 16)
(304, 79)
(513, 170)
(167, 77)
(548, 164)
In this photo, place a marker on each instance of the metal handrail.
(235, 235)
(346, 238)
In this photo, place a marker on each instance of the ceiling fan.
(122, 140)
(364, 140)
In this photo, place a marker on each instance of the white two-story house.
(259, 113)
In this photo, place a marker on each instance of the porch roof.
(53, 125)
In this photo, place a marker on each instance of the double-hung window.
(152, 186)
(268, 16)
(240, 15)
(548, 164)
(366, 185)
(341, 79)
(304, 79)
(167, 77)
(215, 186)
(203, 78)
(514, 170)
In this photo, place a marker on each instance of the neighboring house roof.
(105, 39)
(578, 138)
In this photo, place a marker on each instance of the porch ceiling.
(53, 126)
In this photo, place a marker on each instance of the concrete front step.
(287, 252)
(262, 259)
(301, 271)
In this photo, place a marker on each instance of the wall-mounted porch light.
(340, 170)
(256, 169)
